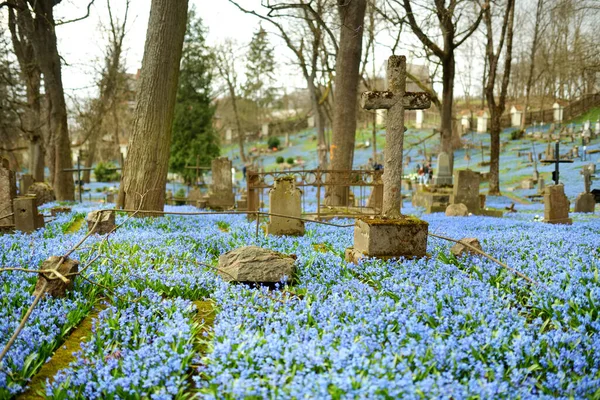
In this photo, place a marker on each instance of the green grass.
(593, 115)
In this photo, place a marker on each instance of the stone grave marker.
(460, 250)
(43, 192)
(442, 175)
(8, 192)
(585, 201)
(56, 287)
(285, 199)
(466, 190)
(375, 200)
(392, 234)
(530, 157)
(556, 205)
(252, 264)
(194, 195)
(104, 225)
(27, 218)
(527, 183)
(221, 196)
(24, 183)
(575, 151)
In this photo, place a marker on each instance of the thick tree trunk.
(46, 52)
(448, 68)
(241, 135)
(352, 15)
(319, 123)
(146, 167)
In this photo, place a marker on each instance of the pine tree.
(260, 71)
(193, 134)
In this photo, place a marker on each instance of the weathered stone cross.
(395, 100)
(587, 178)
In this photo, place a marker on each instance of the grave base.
(564, 221)
(389, 238)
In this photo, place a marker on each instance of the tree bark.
(448, 73)
(534, 44)
(145, 174)
(352, 15)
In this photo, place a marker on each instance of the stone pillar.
(285, 199)
(222, 196)
(27, 218)
(8, 191)
(26, 181)
(466, 189)
(253, 194)
(556, 205)
(375, 200)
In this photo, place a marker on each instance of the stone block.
(527, 184)
(104, 225)
(556, 205)
(26, 215)
(442, 175)
(25, 182)
(585, 203)
(386, 238)
(257, 265)
(54, 211)
(466, 189)
(491, 213)
(285, 199)
(457, 210)
(57, 287)
(460, 250)
(43, 192)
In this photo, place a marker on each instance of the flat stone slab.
(388, 238)
(257, 265)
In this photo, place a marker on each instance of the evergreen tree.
(193, 133)
(260, 71)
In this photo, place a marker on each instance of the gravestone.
(110, 197)
(43, 192)
(57, 287)
(442, 174)
(54, 211)
(27, 218)
(25, 182)
(527, 183)
(285, 199)
(466, 190)
(585, 201)
(8, 192)
(460, 249)
(105, 224)
(221, 196)
(530, 157)
(392, 234)
(541, 185)
(375, 200)
(575, 152)
(457, 210)
(597, 128)
(194, 195)
(556, 205)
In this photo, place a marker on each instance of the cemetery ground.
(151, 314)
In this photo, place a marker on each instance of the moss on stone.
(403, 220)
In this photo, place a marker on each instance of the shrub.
(104, 173)
(273, 142)
(181, 195)
(516, 134)
(290, 160)
(279, 160)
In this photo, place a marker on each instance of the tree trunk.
(494, 180)
(319, 123)
(352, 15)
(145, 174)
(536, 31)
(238, 124)
(448, 68)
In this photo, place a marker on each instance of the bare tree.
(146, 167)
(225, 62)
(453, 27)
(497, 106)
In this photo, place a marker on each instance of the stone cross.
(587, 178)
(395, 100)
(197, 168)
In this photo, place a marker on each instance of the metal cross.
(198, 168)
(556, 161)
(395, 100)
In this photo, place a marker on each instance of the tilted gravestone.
(57, 287)
(466, 190)
(257, 265)
(43, 192)
(221, 196)
(8, 191)
(285, 199)
(556, 205)
(26, 216)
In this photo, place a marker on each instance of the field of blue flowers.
(436, 327)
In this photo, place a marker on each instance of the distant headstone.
(256, 265)
(27, 218)
(541, 185)
(25, 182)
(221, 196)
(556, 205)
(460, 249)
(466, 189)
(242, 203)
(457, 210)
(110, 197)
(57, 287)
(585, 201)
(376, 197)
(194, 195)
(43, 192)
(597, 128)
(8, 191)
(285, 199)
(530, 157)
(106, 221)
(575, 151)
(527, 184)
(54, 211)
(442, 175)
